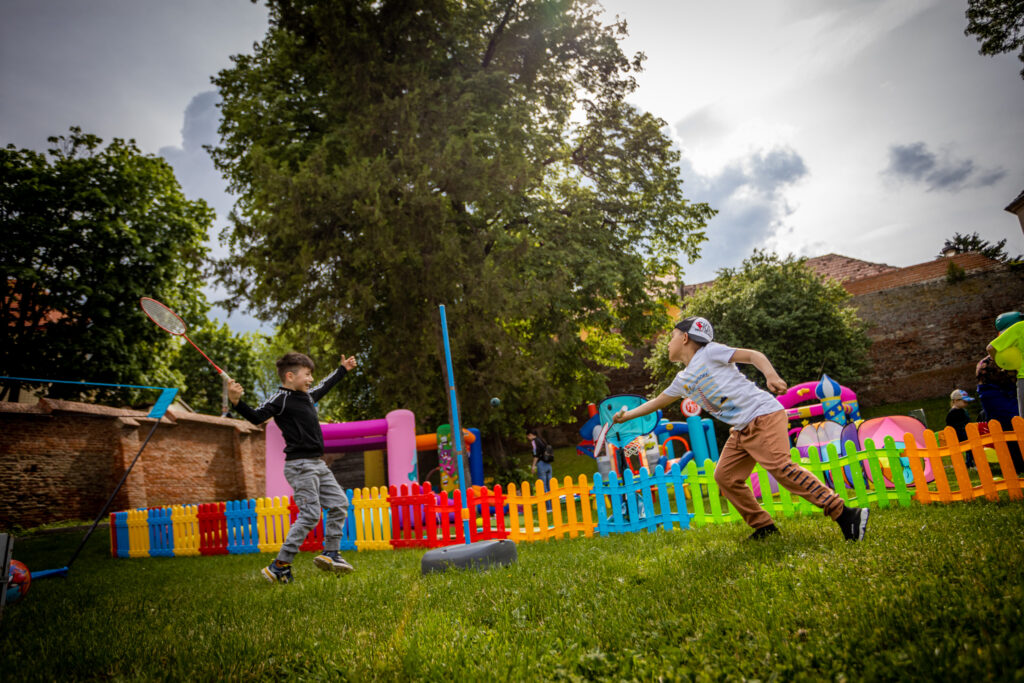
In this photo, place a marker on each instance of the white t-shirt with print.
(719, 387)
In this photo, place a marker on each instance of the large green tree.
(784, 309)
(87, 230)
(393, 156)
(998, 25)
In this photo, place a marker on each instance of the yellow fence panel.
(372, 518)
(185, 525)
(273, 520)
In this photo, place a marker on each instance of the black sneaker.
(332, 561)
(854, 523)
(763, 533)
(278, 573)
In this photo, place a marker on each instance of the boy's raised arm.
(764, 366)
(317, 392)
(656, 403)
(256, 416)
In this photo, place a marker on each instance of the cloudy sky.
(869, 128)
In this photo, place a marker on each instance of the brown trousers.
(765, 441)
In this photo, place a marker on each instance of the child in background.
(293, 408)
(957, 418)
(759, 426)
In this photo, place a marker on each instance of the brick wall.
(62, 459)
(928, 336)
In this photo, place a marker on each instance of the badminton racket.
(171, 322)
(600, 439)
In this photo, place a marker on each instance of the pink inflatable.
(396, 431)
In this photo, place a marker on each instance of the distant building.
(1016, 207)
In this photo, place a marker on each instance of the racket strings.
(163, 316)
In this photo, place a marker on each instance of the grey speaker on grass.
(479, 555)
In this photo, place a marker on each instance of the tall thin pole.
(453, 407)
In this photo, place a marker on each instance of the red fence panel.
(213, 529)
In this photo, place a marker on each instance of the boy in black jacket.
(293, 408)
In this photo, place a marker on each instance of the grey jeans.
(315, 487)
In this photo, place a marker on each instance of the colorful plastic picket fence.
(942, 490)
(371, 514)
(417, 517)
(409, 515)
(643, 502)
(232, 527)
(161, 536)
(487, 514)
(119, 534)
(185, 522)
(529, 518)
(886, 485)
(138, 533)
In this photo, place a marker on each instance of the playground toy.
(19, 579)
(847, 402)
(395, 433)
(828, 392)
(689, 407)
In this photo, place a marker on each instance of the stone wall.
(62, 460)
(928, 336)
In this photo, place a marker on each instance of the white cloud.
(200, 179)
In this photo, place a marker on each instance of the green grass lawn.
(932, 593)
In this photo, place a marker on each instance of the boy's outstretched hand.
(776, 384)
(348, 363)
(235, 391)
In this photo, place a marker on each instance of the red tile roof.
(838, 267)
(846, 269)
(922, 272)
(862, 277)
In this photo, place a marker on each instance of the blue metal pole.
(456, 429)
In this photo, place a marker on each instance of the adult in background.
(997, 392)
(542, 459)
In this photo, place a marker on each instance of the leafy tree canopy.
(962, 244)
(783, 309)
(87, 231)
(391, 157)
(998, 25)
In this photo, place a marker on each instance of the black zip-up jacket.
(296, 416)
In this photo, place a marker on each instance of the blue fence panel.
(348, 536)
(642, 502)
(161, 533)
(123, 542)
(242, 528)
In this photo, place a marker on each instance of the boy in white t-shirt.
(759, 426)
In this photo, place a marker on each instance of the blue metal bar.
(456, 429)
(91, 384)
(163, 402)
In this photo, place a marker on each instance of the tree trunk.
(494, 446)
